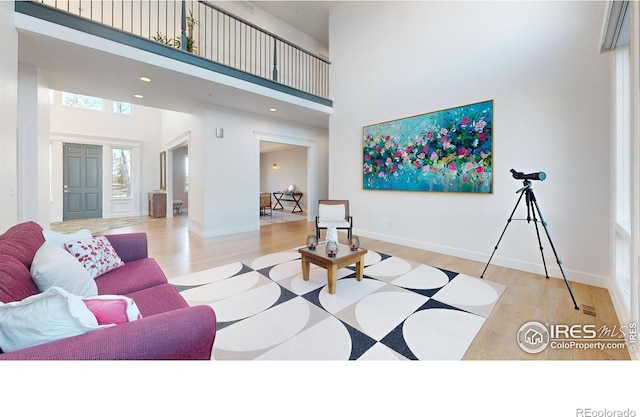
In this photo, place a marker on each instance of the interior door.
(82, 181)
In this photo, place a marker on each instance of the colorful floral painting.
(449, 150)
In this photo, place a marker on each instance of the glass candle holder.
(332, 249)
(312, 242)
(354, 243)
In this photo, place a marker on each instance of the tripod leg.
(503, 231)
(544, 224)
(532, 198)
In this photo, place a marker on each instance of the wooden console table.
(282, 196)
(157, 204)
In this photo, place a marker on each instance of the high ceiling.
(310, 17)
(87, 70)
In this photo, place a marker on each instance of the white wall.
(177, 129)
(274, 25)
(539, 62)
(8, 115)
(225, 186)
(33, 146)
(292, 169)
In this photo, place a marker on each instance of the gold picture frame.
(448, 150)
(163, 171)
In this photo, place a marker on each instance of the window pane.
(121, 107)
(80, 101)
(186, 174)
(623, 176)
(121, 173)
(623, 139)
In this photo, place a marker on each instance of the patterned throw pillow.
(95, 254)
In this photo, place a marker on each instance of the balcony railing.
(204, 29)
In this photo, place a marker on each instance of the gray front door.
(82, 182)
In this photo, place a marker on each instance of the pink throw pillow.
(95, 254)
(112, 309)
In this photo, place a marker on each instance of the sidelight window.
(121, 185)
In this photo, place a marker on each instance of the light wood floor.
(528, 296)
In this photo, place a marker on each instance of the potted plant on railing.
(191, 22)
(159, 37)
(176, 42)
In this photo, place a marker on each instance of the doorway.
(284, 166)
(178, 174)
(180, 179)
(82, 181)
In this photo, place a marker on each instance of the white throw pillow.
(331, 212)
(59, 239)
(55, 267)
(52, 315)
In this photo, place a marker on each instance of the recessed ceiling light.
(273, 109)
(138, 96)
(145, 79)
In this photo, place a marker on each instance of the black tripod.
(532, 207)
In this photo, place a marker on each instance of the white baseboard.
(195, 226)
(230, 230)
(127, 214)
(554, 271)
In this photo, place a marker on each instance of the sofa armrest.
(129, 246)
(187, 333)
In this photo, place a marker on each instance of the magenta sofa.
(169, 328)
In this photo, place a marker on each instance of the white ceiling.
(310, 17)
(85, 70)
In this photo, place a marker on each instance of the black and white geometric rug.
(401, 310)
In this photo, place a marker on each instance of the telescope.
(532, 209)
(538, 176)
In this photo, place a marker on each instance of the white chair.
(334, 213)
